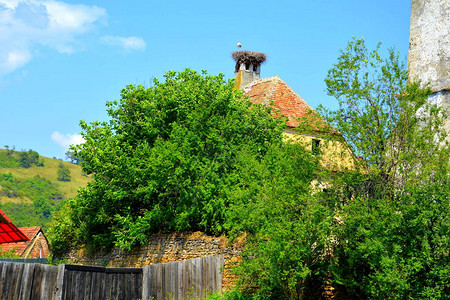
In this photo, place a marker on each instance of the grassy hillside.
(49, 172)
(30, 192)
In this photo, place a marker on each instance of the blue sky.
(60, 61)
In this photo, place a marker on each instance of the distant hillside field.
(30, 192)
(49, 171)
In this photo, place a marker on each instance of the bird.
(239, 45)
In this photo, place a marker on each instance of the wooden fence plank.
(108, 285)
(58, 291)
(101, 285)
(211, 274)
(87, 285)
(121, 279)
(27, 282)
(181, 270)
(152, 287)
(69, 284)
(4, 279)
(205, 281)
(2, 267)
(158, 282)
(18, 279)
(128, 281)
(146, 281)
(51, 281)
(166, 280)
(174, 280)
(81, 276)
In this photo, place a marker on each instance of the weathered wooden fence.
(86, 282)
(188, 279)
(27, 281)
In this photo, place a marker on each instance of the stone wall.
(429, 48)
(163, 248)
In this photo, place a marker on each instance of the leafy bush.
(286, 228)
(23, 159)
(167, 158)
(63, 173)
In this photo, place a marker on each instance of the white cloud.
(26, 25)
(15, 59)
(126, 43)
(65, 140)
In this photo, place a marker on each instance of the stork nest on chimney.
(249, 57)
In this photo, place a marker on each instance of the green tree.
(381, 116)
(63, 173)
(285, 227)
(24, 160)
(33, 157)
(392, 236)
(166, 159)
(70, 156)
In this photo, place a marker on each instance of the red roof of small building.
(19, 247)
(9, 233)
(285, 100)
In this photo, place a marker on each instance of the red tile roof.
(284, 99)
(8, 231)
(20, 247)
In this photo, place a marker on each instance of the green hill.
(33, 186)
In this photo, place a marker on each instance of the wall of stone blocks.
(164, 248)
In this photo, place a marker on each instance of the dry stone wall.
(164, 248)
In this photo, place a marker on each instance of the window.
(315, 147)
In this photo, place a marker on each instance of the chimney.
(248, 67)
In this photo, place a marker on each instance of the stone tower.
(429, 48)
(248, 67)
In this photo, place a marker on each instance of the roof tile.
(283, 98)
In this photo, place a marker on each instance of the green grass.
(48, 171)
(30, 196)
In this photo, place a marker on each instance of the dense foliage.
(190, 153)
(15, 159)
(379, 231)
(285, 228)
(392, 240)
(166, 160)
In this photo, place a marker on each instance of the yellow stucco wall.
(334, 155)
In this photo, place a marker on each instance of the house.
(25, 242)
(303, 124)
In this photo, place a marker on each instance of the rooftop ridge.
(251, 84)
